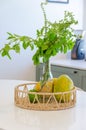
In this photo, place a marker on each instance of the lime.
(32, 96)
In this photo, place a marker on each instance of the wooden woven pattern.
(43, 101)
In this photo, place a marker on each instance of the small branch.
(44, 13)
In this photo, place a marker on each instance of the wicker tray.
(43, 101)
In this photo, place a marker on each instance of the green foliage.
(5, 50)
(50, 39)
(32, 96)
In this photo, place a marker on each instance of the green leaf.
(7, 47)
(31, 46)
(48, 52)
(16, 47)
(25, 45)
(11, 36)
(54, 52)
(3, 53)
(38, 33)
(35, 58)
(44, 47)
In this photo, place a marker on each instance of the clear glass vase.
(47, 75)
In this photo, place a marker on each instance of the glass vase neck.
(47, 75)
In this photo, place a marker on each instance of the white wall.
(24, 17)
(84, 18)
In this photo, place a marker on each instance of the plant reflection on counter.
(32, 117)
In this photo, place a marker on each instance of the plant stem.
(47, 75)
(45, 18)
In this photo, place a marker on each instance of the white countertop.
(78, 64)
(15, 118)
(62, 60)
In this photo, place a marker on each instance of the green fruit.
(62, 84)
(31, 96)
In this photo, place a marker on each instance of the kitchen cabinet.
(77, 75)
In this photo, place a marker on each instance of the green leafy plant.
(50, 39)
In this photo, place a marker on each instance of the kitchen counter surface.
(68, 62)
(15, 118)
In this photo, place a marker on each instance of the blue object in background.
(78, 51)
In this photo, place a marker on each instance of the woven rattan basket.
(42, 100)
